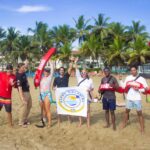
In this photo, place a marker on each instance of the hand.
(54, 88)
(23, 100)
(11, 81)
(76, 60)
(71, 65)
(147, 88)
(120, 77)
(111, 85)
(14, 83)
(136, 88)
(72, 58)
(26, 62)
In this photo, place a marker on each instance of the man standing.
(7, 81)
(62, 81)
(107, 87)
(134, 84)
(26, 101)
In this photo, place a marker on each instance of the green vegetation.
(114, 43)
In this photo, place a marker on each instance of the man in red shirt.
(7, 81)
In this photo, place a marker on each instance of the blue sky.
(24, 13)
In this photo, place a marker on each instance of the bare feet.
(142, 131)
(49, 125)
(114, 127)
(11, 125)
(79, 125)
(58, 124)
(123, 125)
(88, 125)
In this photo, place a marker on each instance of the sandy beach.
(69, 136)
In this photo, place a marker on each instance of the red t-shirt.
(5, 84)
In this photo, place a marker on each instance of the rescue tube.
(134, 84)
(39, 71)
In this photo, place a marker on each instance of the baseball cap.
(47, 70)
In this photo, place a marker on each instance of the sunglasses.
(83, 73)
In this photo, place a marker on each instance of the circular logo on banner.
(72, 100)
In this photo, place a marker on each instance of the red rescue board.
(39, 71)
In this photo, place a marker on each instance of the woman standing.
(86, 83)
(45, 93)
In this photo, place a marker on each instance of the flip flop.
(40, 125)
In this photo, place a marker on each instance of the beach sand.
(69, 136)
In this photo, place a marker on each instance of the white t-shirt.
(87, 84)
(133, 94)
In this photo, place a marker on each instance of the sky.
(23, 14)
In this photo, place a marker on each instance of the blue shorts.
(134, 105)
(44, 94)
(109, 104)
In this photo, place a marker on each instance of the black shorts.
(6, 103)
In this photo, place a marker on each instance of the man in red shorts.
(7, 81)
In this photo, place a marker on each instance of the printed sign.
(71, 101)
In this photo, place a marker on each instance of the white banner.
(71, 101)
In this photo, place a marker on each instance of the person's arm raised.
(78, 75)
(52, 65)
(70, 68)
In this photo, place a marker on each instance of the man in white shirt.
(134, 85)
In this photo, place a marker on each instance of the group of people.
(108, 86)
(8, 79)
(134, 85)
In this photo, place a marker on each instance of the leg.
(107, 119)
(113, 119)
(43, 113)
(80, 121)
(69, 119)
(9, 114)
(125, 119)
(106, 108)
(29, 105)
(22, 113)
(88, 116)
(47, 109)
(1, 106)
(141, 120)
(8, 108)
(59, 120)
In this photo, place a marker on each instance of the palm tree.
(2, 33)
(41, 38)
(100, 25)
(62, 35)
(137, 29)
(9, 43)
(82, 28)
(91, 48)
(2, 36)
(65, 52)
(139, 51)
(116, 29)
(117, 52)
